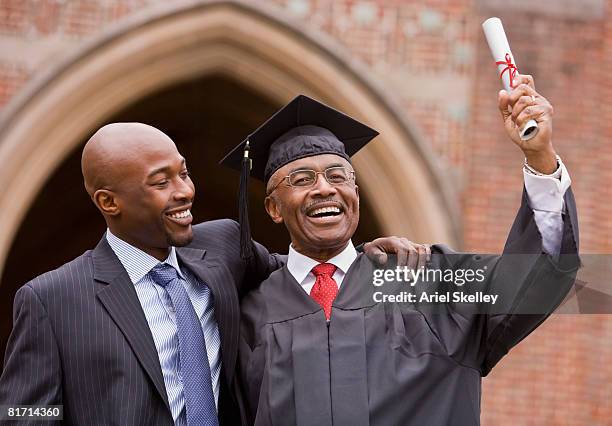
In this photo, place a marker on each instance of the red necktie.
(325, 287)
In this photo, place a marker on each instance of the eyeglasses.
(307, 178)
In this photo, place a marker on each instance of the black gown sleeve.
(541, 281)
(530, 285)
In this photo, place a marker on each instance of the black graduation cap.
(302, 128)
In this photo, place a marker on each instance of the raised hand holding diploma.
(526, 104)
(522, 107)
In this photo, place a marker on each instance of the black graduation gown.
(392, 363)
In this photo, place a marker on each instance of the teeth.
(323, 210)
(181, 215)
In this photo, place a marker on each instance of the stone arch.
(257, 46)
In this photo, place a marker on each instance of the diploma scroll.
(506, 66)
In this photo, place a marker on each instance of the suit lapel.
(121, 301)
(225, 302)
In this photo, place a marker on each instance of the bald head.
(115, 148)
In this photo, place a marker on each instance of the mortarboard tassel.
(246, 251)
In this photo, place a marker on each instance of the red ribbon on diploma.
(510, 67)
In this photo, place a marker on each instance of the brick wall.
(433, 57)
(556, 375)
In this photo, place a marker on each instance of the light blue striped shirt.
(158, 310)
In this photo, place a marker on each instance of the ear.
(106, 202)
(273, 209)
(357, 192)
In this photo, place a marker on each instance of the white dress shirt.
(300, 266)
(545, 195)
(161, 317)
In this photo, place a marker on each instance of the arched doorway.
(204, 120)
(262, 59)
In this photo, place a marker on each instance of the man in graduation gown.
(318, 349)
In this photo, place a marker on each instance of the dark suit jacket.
(80, 337)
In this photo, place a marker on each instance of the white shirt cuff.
(546, 192)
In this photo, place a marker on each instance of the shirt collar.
(300, 266)
(136, 262)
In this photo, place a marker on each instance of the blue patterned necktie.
(195, 369)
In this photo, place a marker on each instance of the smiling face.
(320, 219)
(145, 193)
(155, 201)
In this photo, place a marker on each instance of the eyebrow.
(163, 169)
(297, 169)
